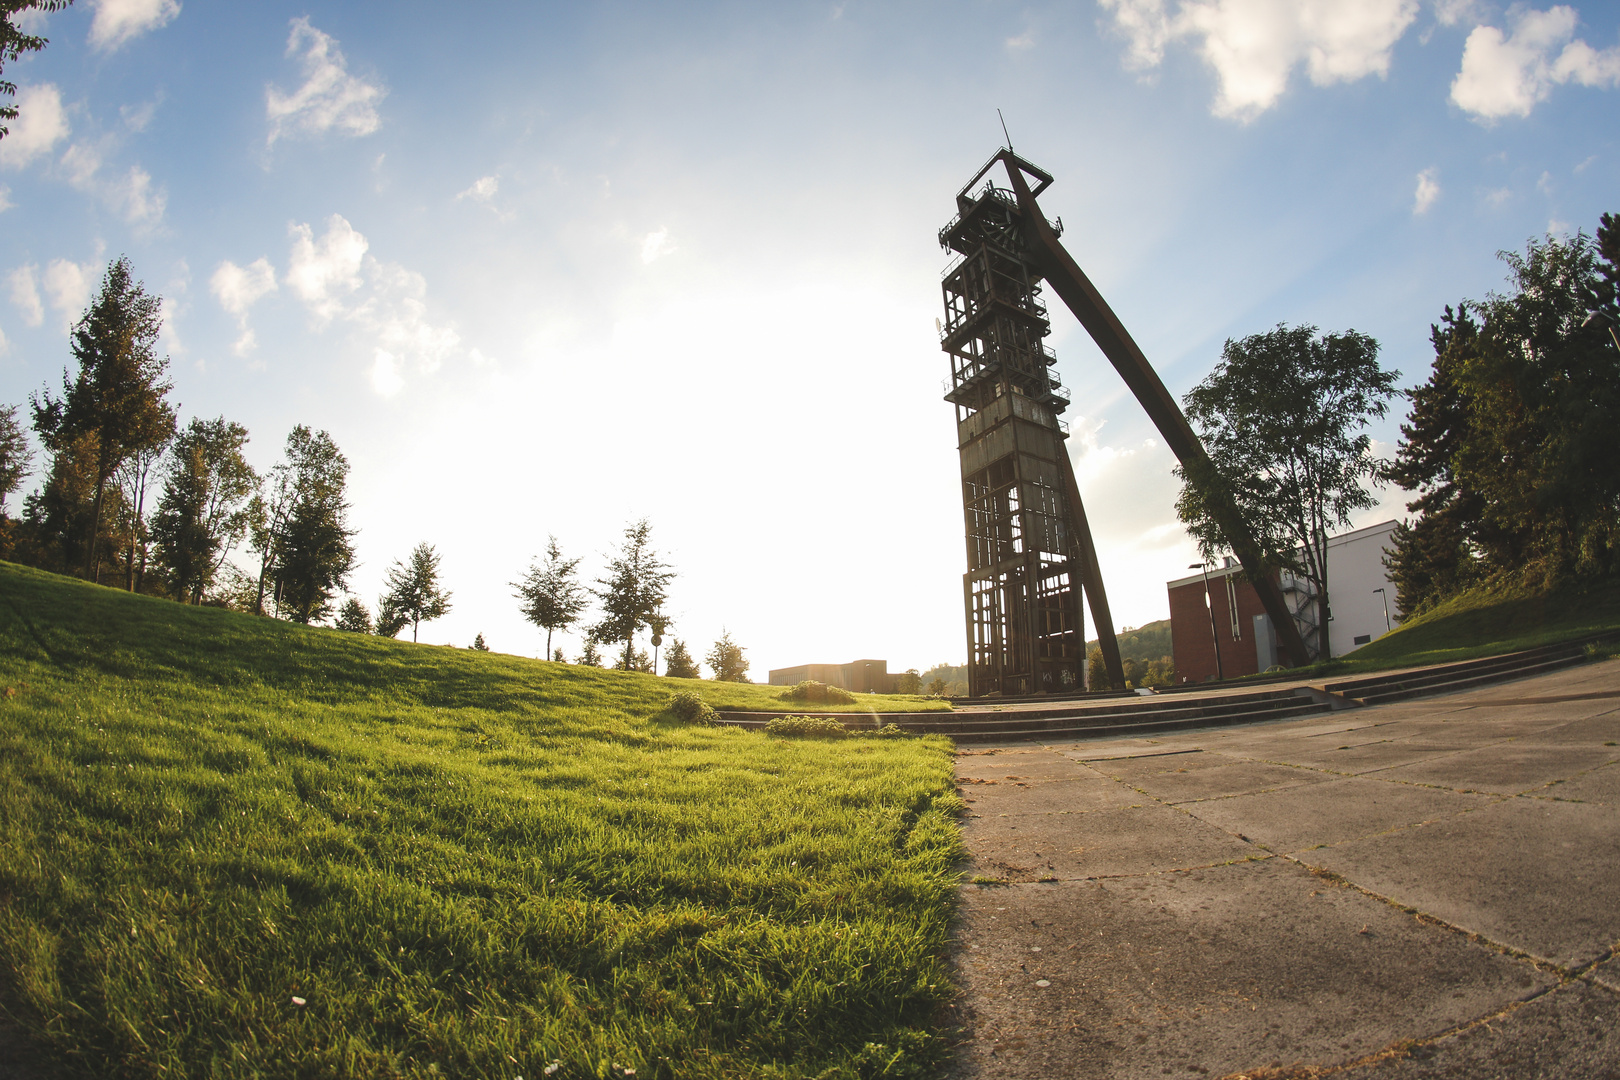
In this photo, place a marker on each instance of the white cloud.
(656, 244)
(40, 125)
(1255, 45)
(5, 199)
(1428, 190)
(395, 314)
(137, 117)
(329, 98)
(117, 22)
(482, 190)
(1456, 12)
(1022, 43)
(67, 288)
(1508, 75)
(25, 294)
(322, 272)
(1498, 196)
(131, 195)
(237, 289)
(390, 305)
(385, 377)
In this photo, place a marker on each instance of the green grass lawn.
(461, 864)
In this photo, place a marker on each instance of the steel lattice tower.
(1030, 555)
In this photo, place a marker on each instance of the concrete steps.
(1114, 715)
(1444, 678)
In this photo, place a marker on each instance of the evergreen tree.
(633, 591)
(308, 547)
(478, 643)
(353, 617)
(202, 514)
(557, 656)
(590, 657)
(552, 598)
(678, 662)
(727, 660)
(1284, 417)
(413, 588)
(1510, 441)
(116, 404)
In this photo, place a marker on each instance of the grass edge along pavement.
(238, 847)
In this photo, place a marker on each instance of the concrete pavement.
(1423, 889)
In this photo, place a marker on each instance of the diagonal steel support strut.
(1082, 298)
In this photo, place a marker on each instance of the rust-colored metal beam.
(1091, 578)
(1116, 343)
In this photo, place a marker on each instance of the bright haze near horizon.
(549, 268)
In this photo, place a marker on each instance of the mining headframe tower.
(1030, 554)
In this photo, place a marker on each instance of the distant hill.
(1148, 642)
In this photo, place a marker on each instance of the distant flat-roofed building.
(1356, 574)
(857, 676)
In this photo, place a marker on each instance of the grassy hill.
(1150, 641)
(1488, 620)
(234, 846)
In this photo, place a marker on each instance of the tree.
(557, 656)
(936, 687)
(1510, 441)
(552, 598)
(117, 399)
(390, 620)
(1283, 417)
(478, 643)
(633, 590)
(353, 617)
(727, 660)
(203, 513)
(306, 544)
(678, 662)
(13, 43)
(135, 479)
(908, 682)
(590, 657)
(638, 661)
(413, 588)
(16, 456)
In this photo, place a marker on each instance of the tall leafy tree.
(1510, 441)
(1284, 417)
(552, 597)
(413, 589)
(16, 456)
(353, 617)
(728, 660)
(56, 517)
(117, 398)
(309, 543)
(633, 590)
(203, 512)
(13, 43)
(678, 662)
(135, 479)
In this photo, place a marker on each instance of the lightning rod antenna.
(1003, 120)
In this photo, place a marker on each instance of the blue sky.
(547, 268)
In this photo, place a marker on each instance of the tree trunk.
(95, 528)
(548, 644)
(414, 624)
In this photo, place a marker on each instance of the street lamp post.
(1220, 673)
(1385, 598)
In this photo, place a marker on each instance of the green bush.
(885, 731)
(688, 705)
(810, 690)
(806, 727)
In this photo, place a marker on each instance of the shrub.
(805, 727)
(688, 705)
(810, 690)
(885, 731)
